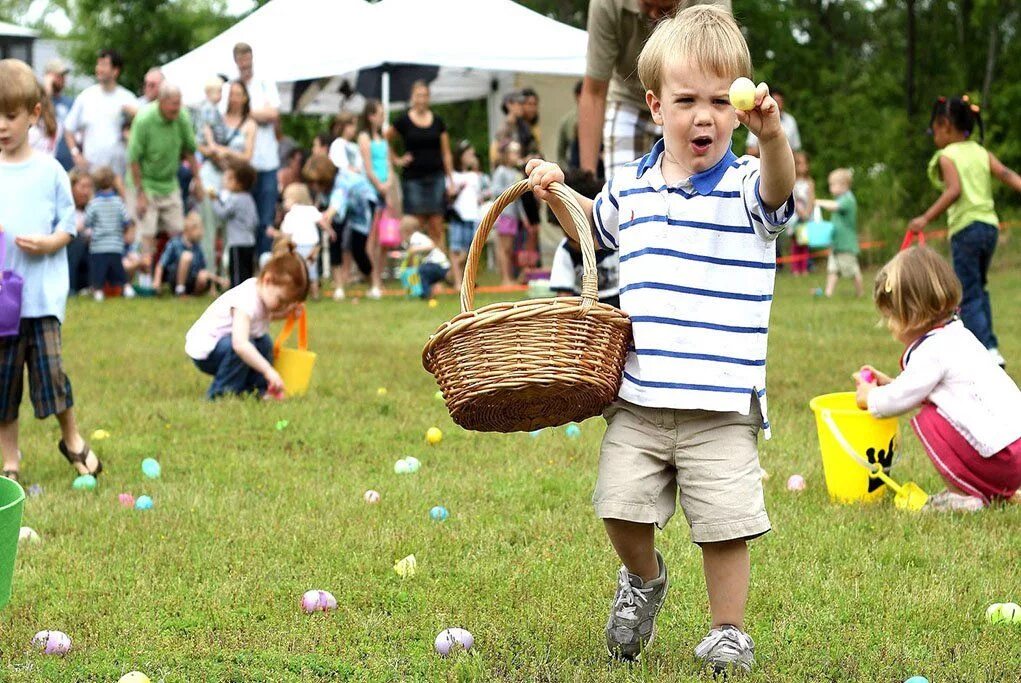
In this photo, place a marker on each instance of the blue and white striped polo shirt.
(697, 263)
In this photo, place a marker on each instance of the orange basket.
(526, 365)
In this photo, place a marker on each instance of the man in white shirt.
(264, 101)
(92, 128)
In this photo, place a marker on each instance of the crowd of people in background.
(189, 201)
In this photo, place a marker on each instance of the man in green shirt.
(843, 260)
(161, 137)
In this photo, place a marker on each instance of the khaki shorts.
(163, 213)
(846, 265)
(711, 457)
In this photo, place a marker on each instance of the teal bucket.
(12, 504)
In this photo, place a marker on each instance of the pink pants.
(799, 258)
(998, 476)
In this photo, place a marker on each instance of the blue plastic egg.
(573, 431)
(151, 468)
(438, 513)
(143, 503)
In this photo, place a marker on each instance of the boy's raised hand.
(540, 174)
(764, 118)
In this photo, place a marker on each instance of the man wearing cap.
(54, 81)
(612, 98)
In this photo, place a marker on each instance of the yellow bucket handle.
(875, 469)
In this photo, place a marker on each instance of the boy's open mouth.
(701, 144)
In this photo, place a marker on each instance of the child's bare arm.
(540, 175)
(43, 245)
(826, 204)
(777, 160)
(1007, 176)
(952, 190)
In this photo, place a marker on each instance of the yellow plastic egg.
(742, 94)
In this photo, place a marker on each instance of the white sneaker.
(98, 295)
(338, 293)
(998, 357)
(129, 292)
(947, 501)
(726, 650)
(374, 293)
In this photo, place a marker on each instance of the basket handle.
(589, 284)
(299, 317)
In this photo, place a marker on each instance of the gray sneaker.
(632, 622)
(727, 649)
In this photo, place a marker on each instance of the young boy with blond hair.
(37, 222)
(843, 259)
(695, 229)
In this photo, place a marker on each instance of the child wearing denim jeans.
(38, 222)
(695, 228)
(964, 170)
(231, 341)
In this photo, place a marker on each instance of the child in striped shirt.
(695, 229)
(107, 218)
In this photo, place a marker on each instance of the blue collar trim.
(704, 182)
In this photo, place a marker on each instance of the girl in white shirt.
(969, 419)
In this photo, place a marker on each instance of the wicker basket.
(527, 365)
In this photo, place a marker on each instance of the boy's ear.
(655, 107)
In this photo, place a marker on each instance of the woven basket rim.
(555, 307)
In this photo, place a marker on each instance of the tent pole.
(385, 96)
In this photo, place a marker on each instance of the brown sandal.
(13, 475)
(81, 458)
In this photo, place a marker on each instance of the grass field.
(205, 587)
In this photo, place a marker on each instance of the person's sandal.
(13, 475)
(82, 457)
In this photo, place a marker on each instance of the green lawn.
(205, 587)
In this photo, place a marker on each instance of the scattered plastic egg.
(318, 601)
(143, 503)
(151, 468)
(453, 639)
(52, 642)
(438, 513)
(84, 482)
(406, 567)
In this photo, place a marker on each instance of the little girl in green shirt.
(963, 169)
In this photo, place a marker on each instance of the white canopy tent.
(478, 46)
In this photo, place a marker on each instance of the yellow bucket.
(853, 443)
(294, 365)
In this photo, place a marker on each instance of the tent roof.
(19, 31)
(297, 40)
(494, 35)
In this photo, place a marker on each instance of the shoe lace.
(629, 598)
(731, 642)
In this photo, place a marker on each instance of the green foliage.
(146, 32)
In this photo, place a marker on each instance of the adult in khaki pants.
(161, 137)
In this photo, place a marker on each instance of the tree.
(146, 32)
